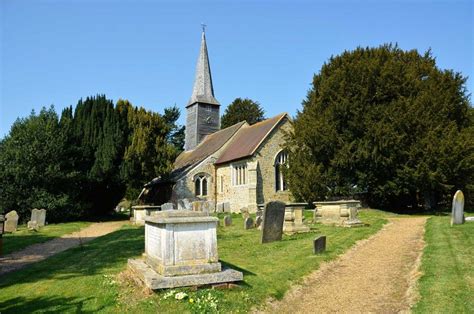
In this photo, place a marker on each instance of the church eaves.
(203, 91)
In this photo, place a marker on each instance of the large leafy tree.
(82, 164)
(33, 172)
(386, 123)
(240, 110)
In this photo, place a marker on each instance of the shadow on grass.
(49, 304)
(92, 258)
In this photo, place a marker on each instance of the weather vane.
(203, 27)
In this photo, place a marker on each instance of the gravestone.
(273, 217)
(11, 222)
(38, 215)
(319, 245)
(457, 214)
(226, 206)
(33, 225)
(227, 220)
(248, 224)
(258, 222)
(167, 206)
(469, 218)
(220, 208)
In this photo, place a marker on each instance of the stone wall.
(260, 187)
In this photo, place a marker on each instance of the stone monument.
(228, 221)
(294, 219)
(248, 223)
(11, 222)
(38, 218)
(457, 214)
(319, 245)
(181, 250)
(167, 206)
(342, 213)
(273, 217)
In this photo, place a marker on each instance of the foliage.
(446, 284)
(81, 164)
(385, 123)
(75, 279)
(240, 110)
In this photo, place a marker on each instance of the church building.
(240, 165)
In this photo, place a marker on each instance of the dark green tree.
(240, 110)
(32, 168)
(386, 123)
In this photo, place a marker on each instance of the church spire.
(203, 92)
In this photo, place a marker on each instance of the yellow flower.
(191, 300)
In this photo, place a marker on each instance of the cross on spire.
(203, 27)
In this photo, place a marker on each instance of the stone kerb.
(11, 222)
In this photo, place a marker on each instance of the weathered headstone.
(319, 245)
(248, 223)
(220, 207)
(273, 217)
(457, 215)
(167, 206)
(33, 225)
(227, 220)
(258, 221)
(11, 222)
(226, 207)
(38, 215)
(469, 218)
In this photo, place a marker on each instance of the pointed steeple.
(203, 92)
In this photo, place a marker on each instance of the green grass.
(23, 237)
(447, 283)
(85, 279)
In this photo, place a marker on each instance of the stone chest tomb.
(182, 243)
(181, 250)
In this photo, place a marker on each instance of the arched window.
(200, 185)
(280, 161)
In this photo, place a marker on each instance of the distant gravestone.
(457, 214)
(33, 225)
(220, 208)
(319, 245)
(273, 218)
(227, 220)
(167, 206)
(11, 222)
(226, 206)
(258, 221)
(248, 223)
(38, 215)
(469, 218)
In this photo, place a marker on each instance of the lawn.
(24, 237)
(447, 283)
(87, 279)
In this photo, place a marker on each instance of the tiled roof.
(207, 147)
(248, 139)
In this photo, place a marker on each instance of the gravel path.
(377, 275)
(38, 252)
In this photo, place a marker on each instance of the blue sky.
(55, 52)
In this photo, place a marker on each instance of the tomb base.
(153, 280)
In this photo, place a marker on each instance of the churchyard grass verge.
(23, 237)
(92, 278)
(447, 281)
